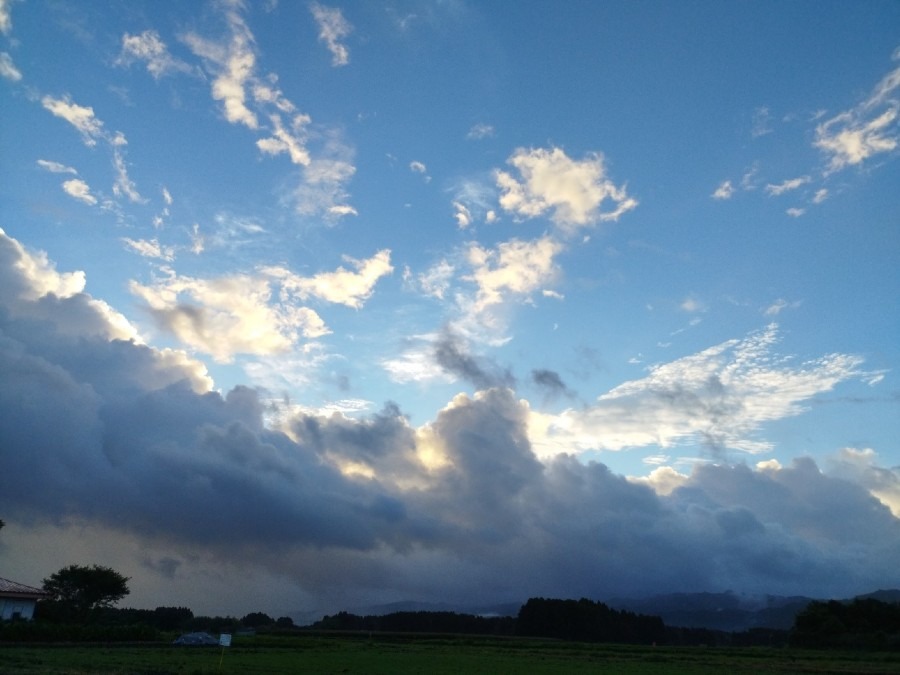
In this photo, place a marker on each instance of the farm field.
(403, 654)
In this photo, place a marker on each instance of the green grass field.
(432, 655)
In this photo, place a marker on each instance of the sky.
(309, 306)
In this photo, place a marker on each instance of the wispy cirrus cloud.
(788, 185)
(8, 69)
(232, 62)
(55, 167)
(870, 128)
(333, 28)
(149, 48)
(255, 102)
(150, 248)
(5, 16)
(80, 117)
(720, 397)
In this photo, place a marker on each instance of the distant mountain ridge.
(727, 611)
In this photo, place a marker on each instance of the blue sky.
(446, 260)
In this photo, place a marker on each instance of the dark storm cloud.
(551, 382)
(451, 354)
(115, 433)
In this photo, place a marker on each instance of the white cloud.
(787, 185)
(321, 190)
(80, 190)
(343, 286)
(5, 18)
(572, 191)
(436, 280)
(663, 480)
(33, 288)
(80, 117)
(795, 212)
(480, 131)
(228, 315)
(820, 196)
(56, 167)
(417, 167)
(720, 397)
(292, 142)
(868, 129)
(462, 215)
(233, 64)
(860, 465)
(150, 48)
(167, 197)
(333, 27)
(761, 119)
(692, 304)
(416, 363)
(512, 270)
(150, 248)
(724, 191)
(8, 69)
(123, 185)
(780, 305)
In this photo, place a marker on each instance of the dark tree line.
(861, 624)
(419, 622)
(587, 621)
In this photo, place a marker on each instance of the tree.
(78, 589)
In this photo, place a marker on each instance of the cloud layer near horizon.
(104, 433)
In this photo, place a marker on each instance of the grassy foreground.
(432, 655)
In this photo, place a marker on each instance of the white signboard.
(225, 639)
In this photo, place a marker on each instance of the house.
(17, 601)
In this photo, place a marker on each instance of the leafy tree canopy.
(82, 589)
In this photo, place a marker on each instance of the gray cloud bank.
(103, 433)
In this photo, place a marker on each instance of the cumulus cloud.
(228, 315)
(724, 191)
(79, 190)
(333, 28)
(8, 69)
(514, 269)
(718, 398)
(342, 286)
(130, 456)
(149, 48)
(571, 191)
(868, 129)
(861, 465)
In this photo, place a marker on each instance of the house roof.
(11, 588)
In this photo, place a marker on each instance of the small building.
(17, 600)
